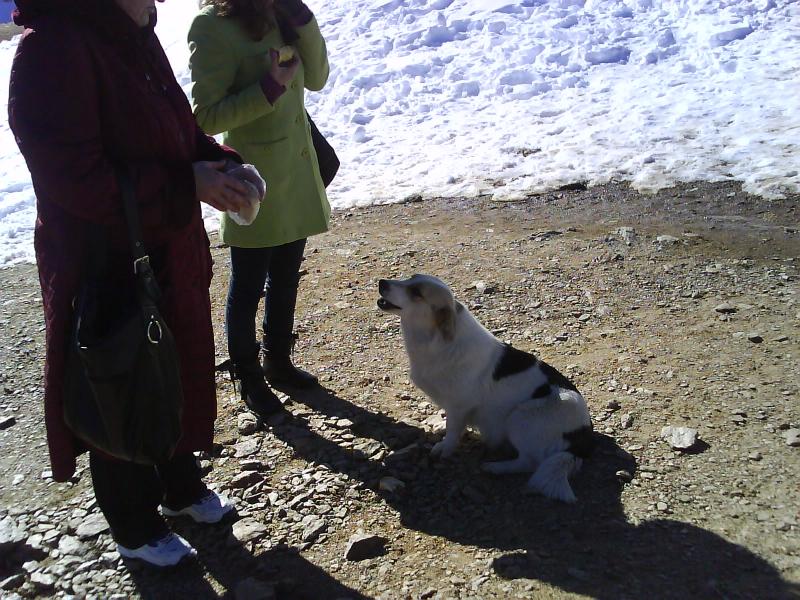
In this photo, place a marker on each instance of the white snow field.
(499, 97)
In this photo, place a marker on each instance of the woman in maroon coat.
(90, 87)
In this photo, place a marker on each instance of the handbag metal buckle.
(154, 324)
(140, 261)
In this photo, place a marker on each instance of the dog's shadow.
(589, 548)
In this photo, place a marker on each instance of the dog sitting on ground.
(510, 396)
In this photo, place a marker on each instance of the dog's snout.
(383, 286)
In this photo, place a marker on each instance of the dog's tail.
(551, 479)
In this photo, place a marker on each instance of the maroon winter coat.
(88, 88)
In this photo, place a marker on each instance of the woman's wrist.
(271, 88)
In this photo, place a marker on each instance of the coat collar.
(104, 16)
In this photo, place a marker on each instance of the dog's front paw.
(443, 449)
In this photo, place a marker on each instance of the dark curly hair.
(254, 16)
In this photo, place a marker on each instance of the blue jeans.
(278, 268)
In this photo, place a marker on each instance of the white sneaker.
(210, 509)
(165, 552)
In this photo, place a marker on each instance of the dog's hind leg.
(521, 464)
(551, 478)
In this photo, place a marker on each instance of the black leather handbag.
(326, 155)
(122, 387)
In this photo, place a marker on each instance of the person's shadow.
(279, 573)
(589, 547)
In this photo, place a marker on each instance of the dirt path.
(674, 309)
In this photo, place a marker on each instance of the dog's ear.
(445, 321)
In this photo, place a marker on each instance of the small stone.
(613, 405)
(667, 239)
(390, 484)
(628, 235)
(246, 479)
(13, 582)
(482, 287)
(43, 581)
(626, 420)
(248, 530)
(624, 476)
(662, 507)
(435, 423)
(253, 589)
(92, 526)
(313, 529)
(725, 308)
(738, 419)
(11, 535)
(6, 422)
(251, 464)
(679, 438)
(247, 423)
(247, 447)
(755, 338)
(755, 456)
(363, 546)
(792, 437)
(72, 546)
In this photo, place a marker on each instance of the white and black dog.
(507, 394)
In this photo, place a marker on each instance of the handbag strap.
(127, 189)
(147, 286)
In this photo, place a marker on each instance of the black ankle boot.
(254, 390)
(280, 371)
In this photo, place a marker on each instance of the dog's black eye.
(415, 292)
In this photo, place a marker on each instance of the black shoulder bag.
(122, 387)
(326, 156)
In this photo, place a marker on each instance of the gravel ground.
(677, 309)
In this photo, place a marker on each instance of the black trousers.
(128, 494)
(278, 268)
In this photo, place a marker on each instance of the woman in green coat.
(242, 90)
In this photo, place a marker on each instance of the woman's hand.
(217, 189)
(284, 73)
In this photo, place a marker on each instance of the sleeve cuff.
(230, 153)
(271, 88)
(182, 195)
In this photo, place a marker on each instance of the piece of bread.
(256, 186)
(285, 54)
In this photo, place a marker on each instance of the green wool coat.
(226, 68)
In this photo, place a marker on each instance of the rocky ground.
(678, 309)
